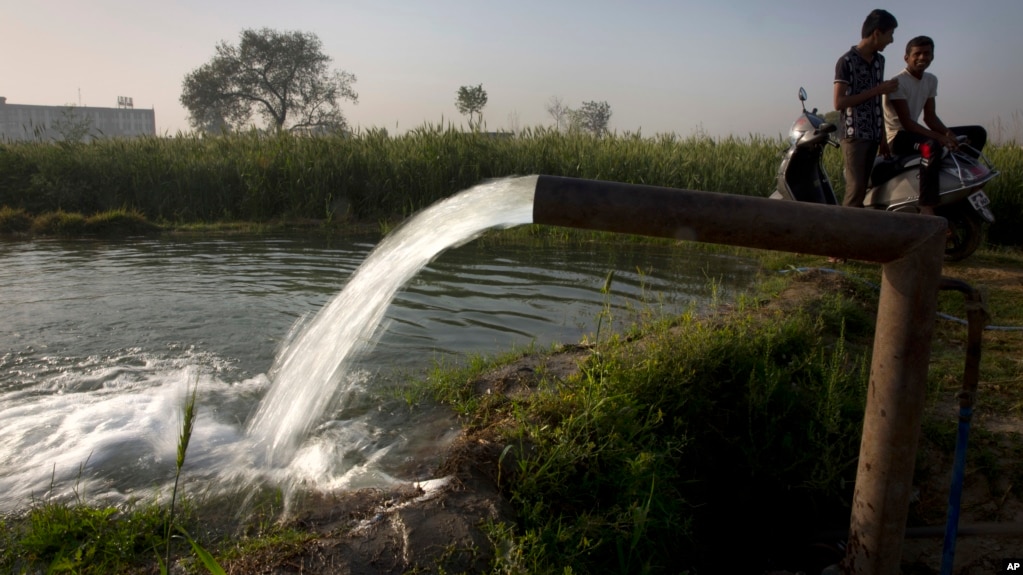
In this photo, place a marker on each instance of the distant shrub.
(59, 224)
(119, 223)
(14, 221)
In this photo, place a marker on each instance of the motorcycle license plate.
(980, 202)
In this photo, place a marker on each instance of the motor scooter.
(894, 183)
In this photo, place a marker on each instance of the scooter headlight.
(799, 127)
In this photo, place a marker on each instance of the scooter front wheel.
(964, 235)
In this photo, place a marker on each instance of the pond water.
(101, 341)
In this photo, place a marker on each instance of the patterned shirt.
(865, 121)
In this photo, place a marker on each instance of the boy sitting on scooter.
(916, 93)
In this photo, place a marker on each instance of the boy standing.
(859, 86)
(916, 93)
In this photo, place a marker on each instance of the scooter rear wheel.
(964, 234)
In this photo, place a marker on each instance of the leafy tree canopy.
(470, 102)
(593, 117)
(283, 77)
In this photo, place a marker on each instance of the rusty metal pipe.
(977, 319)
(894, 410)
(911, 247)
(870, 235)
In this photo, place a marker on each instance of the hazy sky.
(720, 66)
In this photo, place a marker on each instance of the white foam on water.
(104, 433)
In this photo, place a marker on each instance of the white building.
(22, 122)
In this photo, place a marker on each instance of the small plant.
(120, 222)
(77, 538)
(14, 221)
(59, 223)
(187, 423)
(605, 312)
(187, 426)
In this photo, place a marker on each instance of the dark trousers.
(906, 143)
(859, 161)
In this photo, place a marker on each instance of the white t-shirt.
(915, 93)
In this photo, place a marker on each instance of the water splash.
(308, 373)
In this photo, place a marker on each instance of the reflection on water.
(101, 340)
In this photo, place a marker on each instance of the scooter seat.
(886, 169)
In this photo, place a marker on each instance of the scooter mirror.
(802, 95)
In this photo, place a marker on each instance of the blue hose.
(956, 493)
(977, 318)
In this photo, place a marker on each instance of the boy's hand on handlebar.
(950, 141)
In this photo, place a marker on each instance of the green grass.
(14, 221)
(371, 176)
(743, 427)
(700, 434)
(111, 223)
(79, 538)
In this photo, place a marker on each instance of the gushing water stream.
(103, 340)
(309, 373)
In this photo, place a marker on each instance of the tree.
(593, 117)
(470, 102)
(284, 77)
(72, 126)
(559, 111)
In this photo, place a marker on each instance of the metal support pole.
(911, 247)
(895, 405)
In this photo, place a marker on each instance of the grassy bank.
(675, 443)
(679, 443)
(373, 176)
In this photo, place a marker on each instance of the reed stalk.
(187, 425)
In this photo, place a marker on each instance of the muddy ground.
(436, 527)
